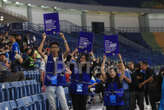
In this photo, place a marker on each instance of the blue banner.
(111, 45)
(85, 42)
(51, 23)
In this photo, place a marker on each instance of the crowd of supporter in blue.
(53, 79)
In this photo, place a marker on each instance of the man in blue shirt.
(126, 80)
(15, 48)
(54, 78)
(15, 56)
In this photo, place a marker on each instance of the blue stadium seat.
(15, 90)
(34, 86)
(38, 87)
(45, 103)
(20, 104)
(24, 88)
(28, 87)
(25, 74)
(28, 103)
(13, 105)
(37, 73)
(20, 91)
(25, 103)
(5, 106)
(1, 92)
(38, 102)
(32, 75)
(5, 92)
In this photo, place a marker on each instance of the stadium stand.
(159, 39)
(134, 45)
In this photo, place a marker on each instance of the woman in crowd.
(113, 90)
(80, 79)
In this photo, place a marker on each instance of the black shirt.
(137, 78)
(148, 73)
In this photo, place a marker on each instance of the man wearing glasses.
(54, 79)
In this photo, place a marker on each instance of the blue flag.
(85, 42)
(51, 23)
(111, 45)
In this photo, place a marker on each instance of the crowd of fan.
(16, 55)
(120, 85)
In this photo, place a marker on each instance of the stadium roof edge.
(10, 16)
(89, 7)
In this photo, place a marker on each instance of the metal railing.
(141, 29)
(9, 12)
(66, 26)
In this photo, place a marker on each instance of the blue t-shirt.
(125, 84)
(162, 97)
(15, 49)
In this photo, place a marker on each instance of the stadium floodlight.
(55, 7)
(5, 1)
(42, 6)
(29, 4)
(1, 18)
(85, 10)
(18, 3)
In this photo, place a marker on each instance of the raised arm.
(92, 56)
(73, 53)
(66, 45)
(123, 77)
(122, 63)
(42, 45)
(19, 58)
(103, 67)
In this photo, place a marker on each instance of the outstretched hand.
(44, 36)
(62, 35)
(104, 57)
(119, 56)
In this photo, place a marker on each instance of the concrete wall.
(156, 20)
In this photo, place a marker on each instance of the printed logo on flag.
(85, 42)
(111, 45)
(51, 23)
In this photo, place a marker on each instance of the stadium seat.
(13, 105)
(45, 103)
(24, 89)
(34, 86)
(28, 87)
(16, 90)
(1, 93)
(5, 106)
(38, 102)
(38, 87)
(37, 75)
(20, 91)
(25, 74)
(25, 103)
(5, 92)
